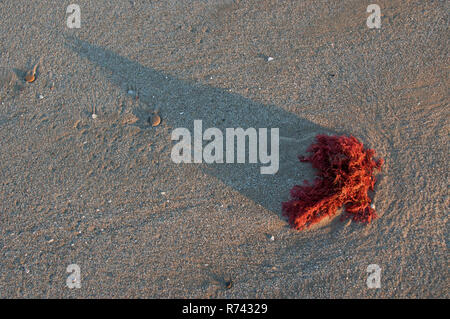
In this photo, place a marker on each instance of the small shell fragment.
(229, 284)
(31, 75)
(154, 120)
(30, 78)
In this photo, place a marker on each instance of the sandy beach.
(103, 193)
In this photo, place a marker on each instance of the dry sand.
(103, 193)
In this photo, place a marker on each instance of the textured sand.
(105, 195)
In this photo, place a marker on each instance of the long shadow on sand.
(216, 108)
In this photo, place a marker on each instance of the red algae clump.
(345, 175)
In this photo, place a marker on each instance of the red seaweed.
(345, 174)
